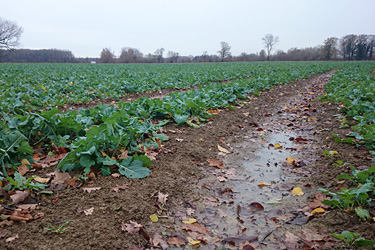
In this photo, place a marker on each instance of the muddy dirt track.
(240, 198)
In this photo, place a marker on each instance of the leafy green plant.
(21, 183)
(352, 239)
(61, 229)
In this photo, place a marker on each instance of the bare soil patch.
(181, 170)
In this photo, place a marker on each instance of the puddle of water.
(243, 208)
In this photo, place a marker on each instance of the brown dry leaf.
(11, 238)
(196, 227)
(25, 162)
(22, 169)
(2, 235)
(59, 177)
(132, 227)
(215, 163)
(124, 155)
(29, 207)
(318, 201)
(297, 191)
(38, 215)
(18, 215)
(162, 198)
(42, 180)
(157, 239)
(72, 182)
(19, 196)
(89, 190)
(290, 240)
(190, 211)
(118, 187)
(88, 211)
(312, 236)
(223, 150)
(178, 242)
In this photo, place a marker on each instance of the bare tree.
(10, 34)
(159, 55)
(173, 56)
(269, 42)
(224, 52)
(130, 55)
(107, 56)
(204, 55)
(329, 48)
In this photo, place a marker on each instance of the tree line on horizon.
(349, 47)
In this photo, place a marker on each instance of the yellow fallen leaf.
(25, 162)
(190, 221)
(318, 210)
(311, 93)
(278, 146)
(290, 160)
(192, 242)
(221, 149)
(297, 191)
(42, 180)
(154, 218)
(263, 183)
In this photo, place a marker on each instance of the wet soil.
(232, 206)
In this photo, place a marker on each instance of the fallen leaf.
(190, 221)
(29, 207)
(196, 228)
(154, 218)
(88, 211)
(23, 169)
(278, 146)
(42, 180)
(162, 199)
(291, 160)
(261, 184)
(215, 163)
(2, 235)
(132, 227)
(12, 238)
(223, 150)
(190, 211)
(71, 182)
(318, 210)
(118, 187)
(178, 242)
(89, 190)
(192, 242)
(297, 191)
(59, 177)
(19, 215)
(124, 155)
(157, 239)
(25, 162)
(19, 196)
(221, 178)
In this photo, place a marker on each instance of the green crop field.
(97, 137)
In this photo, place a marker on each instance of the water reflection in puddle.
(237, 207)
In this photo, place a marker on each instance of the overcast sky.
(189, 27)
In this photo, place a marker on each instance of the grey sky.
(186, 26)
